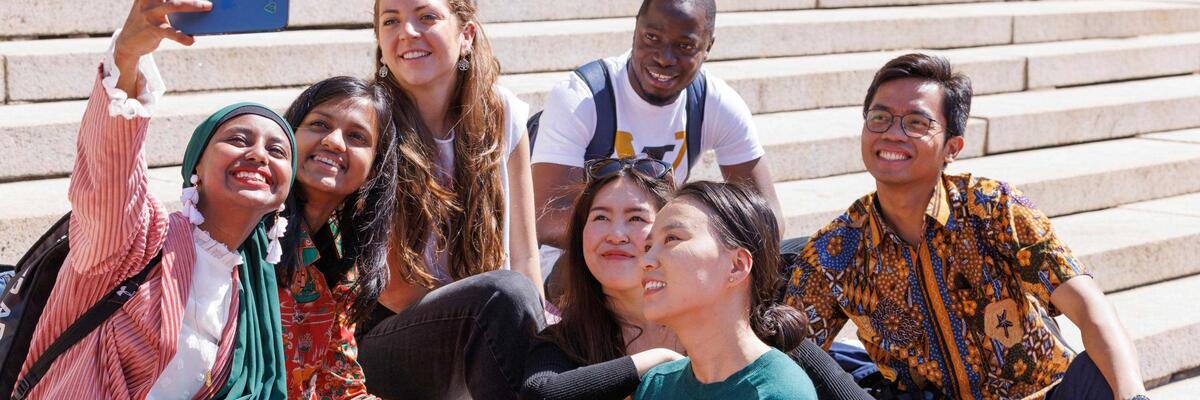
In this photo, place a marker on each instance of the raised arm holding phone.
(204, 322)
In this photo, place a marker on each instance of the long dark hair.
(589, 332)
(467, 219)
(364, 218)
(743, 219)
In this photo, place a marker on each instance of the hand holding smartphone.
(234, 16)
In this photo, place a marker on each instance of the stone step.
(39, 139)
(36, 140)
(29, 208)
(42, 17)
(1183, 136)
(1163, 323)
(819, 143)
(768, 85)
(49, 69)
(61, 18)
(825, 142)
(1062, 180)
(1136, 244)
(1035, 119)
(556, 10)
(1181, 390)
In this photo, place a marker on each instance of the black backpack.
(24, 298)
(596, 75)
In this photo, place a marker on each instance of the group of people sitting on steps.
(418, 236)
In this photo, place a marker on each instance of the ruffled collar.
(215, 249)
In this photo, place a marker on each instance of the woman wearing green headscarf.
(205, 322)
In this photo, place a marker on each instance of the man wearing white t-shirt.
(671, 42)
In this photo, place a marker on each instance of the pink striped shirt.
(116, 228)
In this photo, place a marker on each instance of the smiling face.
(687, 267)
(421, 40)
(670, 43)
(335, 145)
(248, 164)
(892, 157)
(615, 235)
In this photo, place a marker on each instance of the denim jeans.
(467, 339)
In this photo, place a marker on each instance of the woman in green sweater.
(712, 276)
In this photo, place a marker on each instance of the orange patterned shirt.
(966, 312)
(318, 336)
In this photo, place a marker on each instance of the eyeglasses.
(646, 167)
(914, 125)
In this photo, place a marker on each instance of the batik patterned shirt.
(318, 335)
(966, 311)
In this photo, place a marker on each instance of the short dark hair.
(742, 218)
(956, 87)
(708, 6)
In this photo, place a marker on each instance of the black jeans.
(1082, 381)
(467, 339)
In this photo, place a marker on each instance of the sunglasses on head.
(646, 167)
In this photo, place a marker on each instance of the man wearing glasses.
(649, 93)
(952, 279)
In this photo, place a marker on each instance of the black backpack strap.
(531, 128)
(697, 92)
(88, 322)
(595, 74)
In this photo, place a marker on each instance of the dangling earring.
(463, 64)
(383, 71)
(275, 236)
(190, 198)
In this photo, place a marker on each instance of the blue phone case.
(234, 16)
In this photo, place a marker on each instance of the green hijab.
(258, 370)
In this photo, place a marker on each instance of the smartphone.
(234, 16)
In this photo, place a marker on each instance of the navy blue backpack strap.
(595, 74)
(697, 91)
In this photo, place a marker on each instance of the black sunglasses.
(646, 167)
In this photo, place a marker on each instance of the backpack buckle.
(21, 391)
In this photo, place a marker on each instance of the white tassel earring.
(275, 235)
(190, 198)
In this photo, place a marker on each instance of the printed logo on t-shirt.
(624, 148)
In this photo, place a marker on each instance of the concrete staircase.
(1089, 107)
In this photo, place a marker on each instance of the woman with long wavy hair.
(454, 320)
